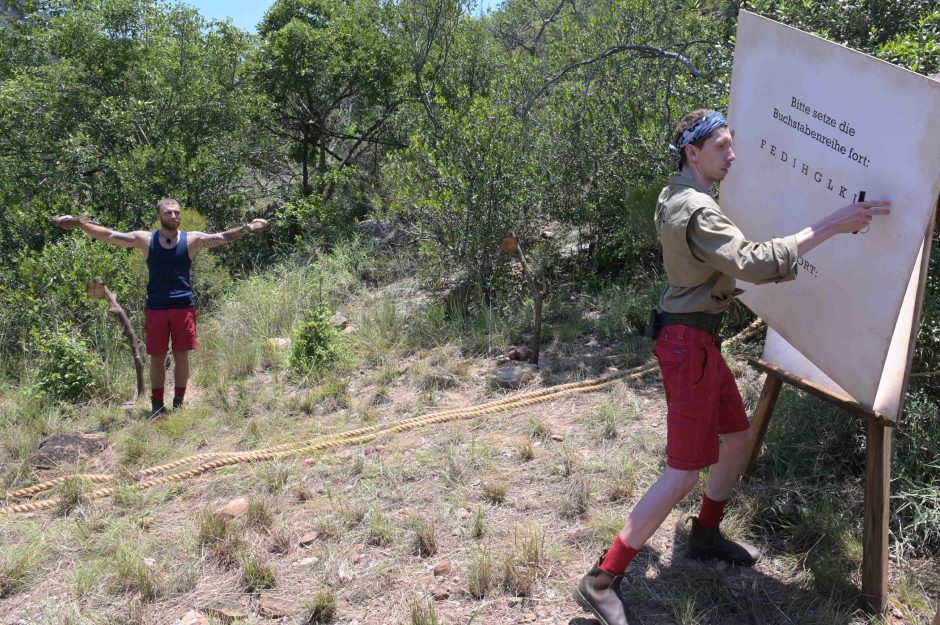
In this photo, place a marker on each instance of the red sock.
(618, 557)
(179, 392)
(157, 394)
(711, 512)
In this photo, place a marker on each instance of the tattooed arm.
(202, 241)
(136, 238)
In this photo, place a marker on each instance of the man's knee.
(681, 482)
(739, 442)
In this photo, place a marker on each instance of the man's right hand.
(851, 218)
(854, 217)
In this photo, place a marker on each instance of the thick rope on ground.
(217, 460)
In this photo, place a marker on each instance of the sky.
(246, 14)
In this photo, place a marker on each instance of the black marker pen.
(861, 198)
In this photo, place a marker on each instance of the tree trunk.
(306, 157)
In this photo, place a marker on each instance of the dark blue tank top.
(169, 285)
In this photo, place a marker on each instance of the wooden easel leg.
(765, 408)
(877, 502)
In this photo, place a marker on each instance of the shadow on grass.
(688, 591)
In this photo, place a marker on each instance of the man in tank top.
(171, 308)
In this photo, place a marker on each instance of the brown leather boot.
(595, 594)
(708, 542)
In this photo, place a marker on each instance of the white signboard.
(816, 123)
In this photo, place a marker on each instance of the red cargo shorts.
(161, 324)
(702, 397)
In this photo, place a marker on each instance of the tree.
(332, 73)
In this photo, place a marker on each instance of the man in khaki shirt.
(703, 253)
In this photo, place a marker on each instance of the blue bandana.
(701, 128)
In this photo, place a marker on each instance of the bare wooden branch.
(644, 52)
(551, 19)
(511, 245)
(97, 290)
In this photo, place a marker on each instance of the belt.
(707, 322)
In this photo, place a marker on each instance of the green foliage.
(311, 220)
(916, 474)
(315, 344)
(904, 32)
(47, 289)
(918, 50)
(65, 368)
(438, 184)
(315, 57)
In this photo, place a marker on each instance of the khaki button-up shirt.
(704, 252)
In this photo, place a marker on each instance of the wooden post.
(875, 534)
(510, 245)
(762, 414)
(936, 618)
(97, 290)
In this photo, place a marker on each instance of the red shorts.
(161, 324)
(701, 394)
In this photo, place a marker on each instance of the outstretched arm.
(202, 241)
(136, 238)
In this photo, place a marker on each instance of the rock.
(515, 376)
(228, 613)
(521, 352)
(308, 539)
(502, 359)
(442, 568)
(383, 233)
(65, 449)
(514, 601)
(278, 343)
(339, 321)
(527, 617)
(440, 593)
(456, 301)
(193, 618)
(276, 607)
(557, 438)
(357, 558)
(307, 561)
(234, 508)
(150, 562)
(350, 329)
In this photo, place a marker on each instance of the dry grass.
(514, 519)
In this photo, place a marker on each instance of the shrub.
(315, 343)
(320, 609)
(66, 368)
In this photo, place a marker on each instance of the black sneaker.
(177, 403)
(708, 542)
(603, 603)
(156, 409)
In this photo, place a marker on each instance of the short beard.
(167, 226)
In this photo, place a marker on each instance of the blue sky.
(247, 13)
